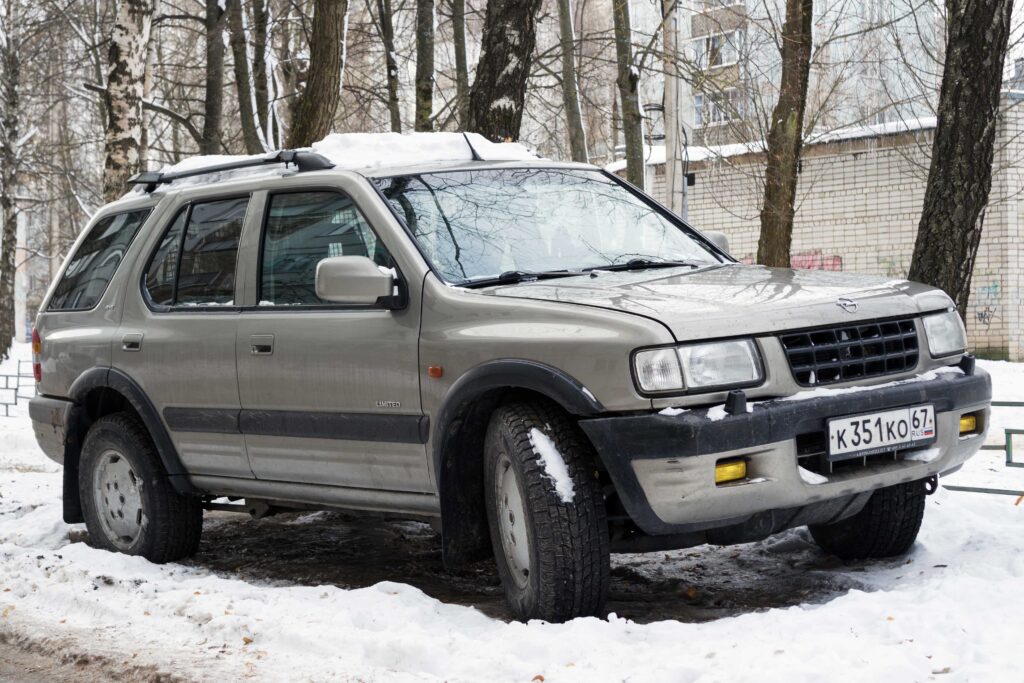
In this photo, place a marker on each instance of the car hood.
(735, 299)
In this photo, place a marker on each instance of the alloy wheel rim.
(117, 493)
(512, 522)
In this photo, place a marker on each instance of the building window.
(718, 108)
(719, 49)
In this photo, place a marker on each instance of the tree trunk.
(260, 82)
(10, 62)
(213, 99)
(498, 94)
(461, 64)
(785, 137)
(318, 102)
(570, 87)
(126, 58)
(960, 176)
(628, 81)
(240, 56)
(424, 64)
(387, 36)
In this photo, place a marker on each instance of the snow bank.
(812, 478)
(553, 463)
(947, 611)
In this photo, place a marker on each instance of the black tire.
(886, 527)
(169, 524)
(569, 563)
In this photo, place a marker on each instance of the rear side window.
(195, 262)
(302, 229)
(93, 265)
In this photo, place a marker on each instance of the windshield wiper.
(644, 263)
(512, 277)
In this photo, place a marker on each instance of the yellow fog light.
(968, 424)
(730, 470)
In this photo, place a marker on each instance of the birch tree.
(961, 170)
(10, 90)
(785, 137)
(461, 63)
(126, 60)
(498, 94)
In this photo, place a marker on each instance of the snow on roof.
(367, 151)
(655, 155)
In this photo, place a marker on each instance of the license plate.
(861, 435)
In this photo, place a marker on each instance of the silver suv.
(534, 355)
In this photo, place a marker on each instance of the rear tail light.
(37, 356)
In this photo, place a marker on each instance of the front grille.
(849, 352)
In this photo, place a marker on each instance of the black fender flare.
(122, 383)
(463, 522)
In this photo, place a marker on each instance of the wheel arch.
(104, 391)
(458, 438)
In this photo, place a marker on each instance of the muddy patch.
(694, 585)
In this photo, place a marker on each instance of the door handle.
(132, 342)
(261, 344)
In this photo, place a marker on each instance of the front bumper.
(663, 466)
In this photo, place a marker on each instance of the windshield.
(477, 225)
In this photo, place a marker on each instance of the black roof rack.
(304, 161)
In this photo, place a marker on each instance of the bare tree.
(498, 94)
(629, 98)
(213, 97)
(461, 63)
(126, 59)
(260, 75)
(570, 87)
(318, 102)
(243, 86)
(424, 64)
(386, 30)
(961, 171)
(785, 137)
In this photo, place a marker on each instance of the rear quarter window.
(94, 263)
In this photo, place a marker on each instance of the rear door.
(330, 393)
(177, 337)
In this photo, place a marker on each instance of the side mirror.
(718, 239)
(352, 280)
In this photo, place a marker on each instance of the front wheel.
(546, 513)
(885, 527)
(128, 504)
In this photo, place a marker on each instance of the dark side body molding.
(374, 427)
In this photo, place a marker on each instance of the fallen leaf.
(246, 639)
(538, 678)
(7, 610)
(890, 618)
(943, 670)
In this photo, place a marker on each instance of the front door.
(329, 393)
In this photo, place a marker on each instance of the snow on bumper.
(663, 465)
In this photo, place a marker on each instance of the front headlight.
(946, 333)
(699, 367)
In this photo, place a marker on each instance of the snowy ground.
(307, 597)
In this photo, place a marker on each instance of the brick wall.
(858, 206)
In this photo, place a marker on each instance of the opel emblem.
(848, 305)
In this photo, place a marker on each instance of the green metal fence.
(1009, 462)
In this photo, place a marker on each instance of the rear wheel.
(128, 504)
(886, 527)
(547, 522)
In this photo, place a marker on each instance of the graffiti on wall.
(986, 298)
